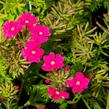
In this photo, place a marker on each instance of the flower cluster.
(38, 35)
(56, 94)
(11, 28)
(78, 83)
(59, 82)
(28, 20)
(52, 62)
(32, 51)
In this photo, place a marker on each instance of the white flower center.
(12, 28)
(52, 62)
(78, 83)
(63, 97)
(57, 92)
(26, 48)
(40, 33)
(33, 52)
(26, 21)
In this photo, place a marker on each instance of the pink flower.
(40, 107)
(79, 83)
(69, 81)
(52, 62)
(11, 28)
(32, 52)
(40, 33)
(67, 68)
(50, 73)
(17, 87)
(47, 81)
(27, 19)
(2, 99)
(56, 95)
(64, 95)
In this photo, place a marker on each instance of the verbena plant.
(50, 52)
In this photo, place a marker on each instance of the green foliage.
(82, 44)
(76, 98)
(40, 7)
(7, 90)
(107, 107)
(4, 77)
(43, 92)
(63, 106)
(93, 5)
(11, 8)
(64, 16)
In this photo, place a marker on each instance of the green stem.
(45, 77)
(20, 91)
(23, 81)
(8, 104)
(86, 103)
(75, 99)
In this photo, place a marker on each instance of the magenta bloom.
(52, 62)
(69, 81)
(79, 83)
(47, 81)
(40, 107)
(67, 68)
(56, 95)
(40, 33)
(27, 19)
(11, 28)
(32, 52)
(64, 94)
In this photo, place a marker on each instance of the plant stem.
(8, 104)
(22, 84)
(75, 100)
(86, 103)
(44, 77)
(20, 91)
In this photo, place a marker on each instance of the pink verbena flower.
(11, 28)
(67, 68)
(17, 87)
(47, 81)
(64, 94)
(52, 62)
(79, 83)
(32, 52)
(69, 81)
(50, 73)
(56, 95)
(40, 107)
(40, 33)
(27, 19)
(2, 99)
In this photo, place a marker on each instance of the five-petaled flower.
(32, 52)
(11, 28)
(28, 20)
(52, 61)
(40, 33)
(78, 83)
(56, 95)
